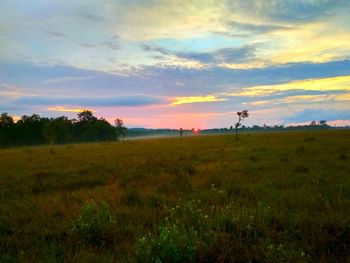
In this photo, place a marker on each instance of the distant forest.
(35, 130)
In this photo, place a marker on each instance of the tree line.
(33, 130)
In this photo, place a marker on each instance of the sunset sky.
(177, 63)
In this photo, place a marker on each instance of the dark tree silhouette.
(32, 130)
(241, 116)
(58, 130)
(29, 129)
(6, 129)
(120, 129)
(323, 122)
(89, 128)
(86, 116)
(6, 121)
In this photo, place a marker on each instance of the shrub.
(173, 244)
(93, 224)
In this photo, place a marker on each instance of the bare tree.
(241, 116)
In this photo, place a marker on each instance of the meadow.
(266, 197)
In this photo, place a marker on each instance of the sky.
(172, 63)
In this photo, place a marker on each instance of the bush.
(93, 224)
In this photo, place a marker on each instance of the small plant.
(254, 158)
(342, 156)
(93, 224)
(301, 169)
(173, 244)
(155, 200)
(132, 197)
(309, 139)
(300, 149)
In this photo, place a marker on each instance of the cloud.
(92, 17)
(319, 84)
(255, 28)
(88, 45)
(266, 53)
(319, 114)
(195, 99)
(290, 11)
(293, 99)
(117, 101)
(147, 20)
(65, 79)
(291, 31)
(224, 55)
(163, 51)
(232, 35)
(56, 34)
(64, 109)
(112, 43)
(163, 80)
(296, 97)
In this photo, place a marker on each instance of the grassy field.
(269, 197)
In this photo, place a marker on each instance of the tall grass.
(272, 197)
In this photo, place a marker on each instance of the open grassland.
(270, 197)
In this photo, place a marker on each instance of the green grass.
(269, 197)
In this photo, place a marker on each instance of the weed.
(156, 200)
(214, 181)
(132, 197)
(300, 149)
(309, 139)
(93, 223)
(172, 244)
(253, 158)
(7, 258)
(301, 169)
(343, 157)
